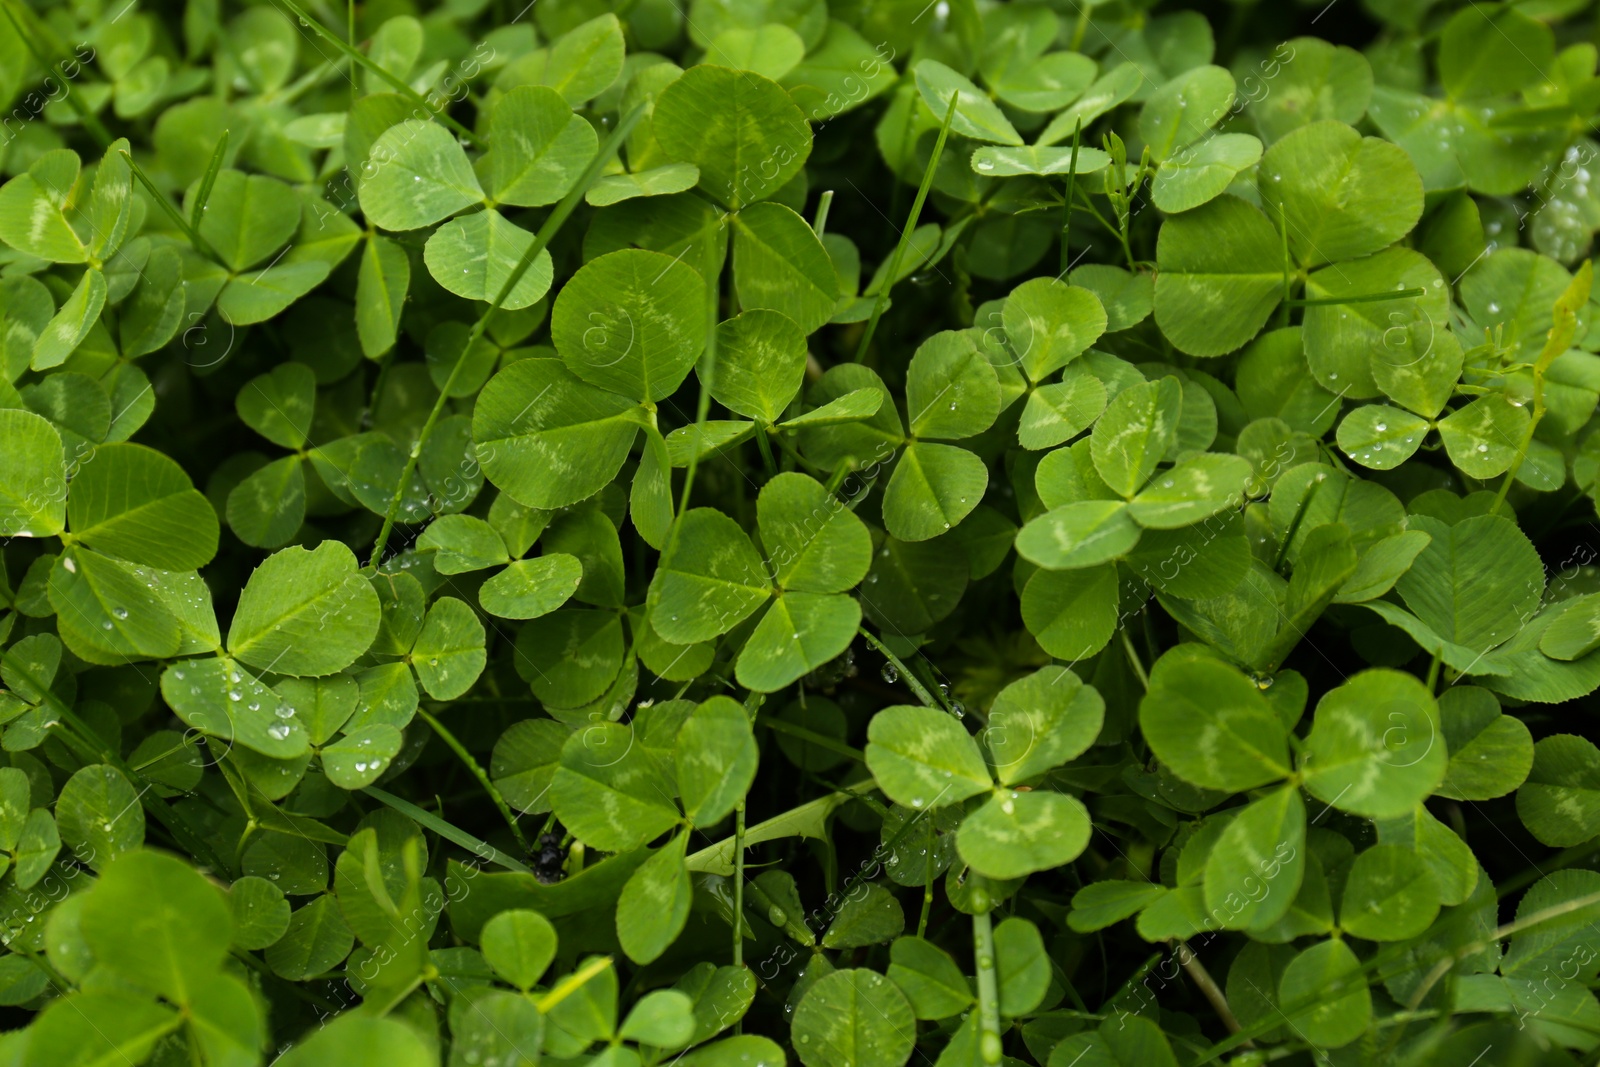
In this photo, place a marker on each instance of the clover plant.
(749, 532)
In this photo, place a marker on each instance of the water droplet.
(106, 625)
(890, 674)
(1483, 448)
(433, 661)
(278, 731)
(985, 165)
(283, 711)
(234, 694)
(121, 613)
(776, 915)
(1382, 426)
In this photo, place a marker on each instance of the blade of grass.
(481, 849)
(477, 772)
(362, 60)
(895, 259)
(202, 195)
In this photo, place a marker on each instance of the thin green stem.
(1208, 986)
(824, 202)
(540, 241)
(1087, 204)
(1066, 205)
(477, 772)
(712, 272)
(917, 688)
(1363, 298)
(202, 195)
(837, 476)
(811, 737)
(362, 60)
(1288, 275)
(789, 450)
(927, 894)
(1294, 524)
(764, 446)
(1080, 27)
(1544, 915)
(738, 884)
(571, 984)
(1133, 657)
(882, 299)
(448, 831)
(1562, 860)
(988, 990)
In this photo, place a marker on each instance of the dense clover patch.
(768, 532)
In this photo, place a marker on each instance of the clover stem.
(1066, 205)
(707, 373)
(738, 884)
(1433, 670)
(915, 684)
(927, 893)
(1079, 28)
(820, 225)
(1088, 205)
(1133, 657)
(1361, 298)
(1288, 276)
(1544, 915)
(882, 299)
(571, 984)
(789, 450)
(1201, 977)
(764, 446)
(988, 989)
(477, 772)
(350, 39)
(367, 63)
(546, 232)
